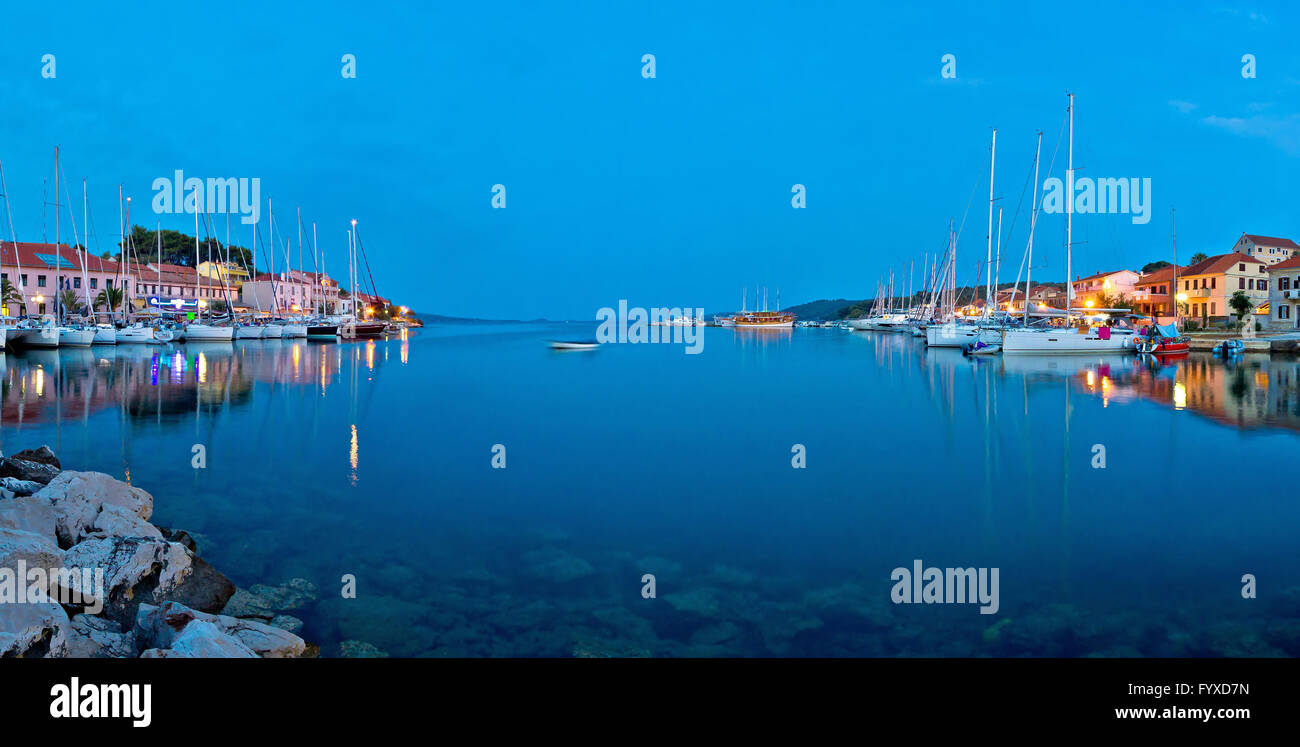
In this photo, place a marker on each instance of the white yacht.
(198, 332)
(956, 334)
(76, 336)
(35, 333)
(105, 334)
(1085, 338)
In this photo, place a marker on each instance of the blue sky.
(676, 190)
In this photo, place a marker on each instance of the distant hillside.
(821, 310)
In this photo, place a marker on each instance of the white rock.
(33, 630)
(80, 497)
(29, 514)
(126, 561)
(37, 549)
(98, 638)
(165, 626)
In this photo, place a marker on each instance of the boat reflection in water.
(155, 381)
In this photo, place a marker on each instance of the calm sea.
(1121, 501)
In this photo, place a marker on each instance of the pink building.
(39, 272)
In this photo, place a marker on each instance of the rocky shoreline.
(140, 590)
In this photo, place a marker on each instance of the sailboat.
(71, 335)
(1084, 336)
(198, 331)
(958, 334)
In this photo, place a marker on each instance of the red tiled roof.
(27, 252)
(1219, 263)
(1271, 241)
(1162, 275)
(1102, 275)
(1287, 265)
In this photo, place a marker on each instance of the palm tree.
(1199, 257)
(68, 300)
(9, 295)
(110, 298)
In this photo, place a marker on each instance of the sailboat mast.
(1033, 221)
(58, 311)
(1069, 215)
(997, 265)
(993, 154)
(1173, 289)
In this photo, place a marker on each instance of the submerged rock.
(700, 601)
(554, 564)
(266, 602)
(360, 650)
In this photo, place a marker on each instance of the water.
(374, 459)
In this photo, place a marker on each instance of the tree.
(1153, 266)
(9, 295)
(217, 306)
(68, 300)
(1117, 301)
(1199, 257)
(109, 298)
(1241, 303)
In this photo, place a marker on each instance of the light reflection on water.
(372, 458)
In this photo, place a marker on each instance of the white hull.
(959, 335)
(248, 332)
(293, 330)
(272, 331)
(140, 335)
(205, 332)
(105, 336)
(76, 338)
(43, 337)
(1065, 342)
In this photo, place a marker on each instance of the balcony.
(1197, 293)
(1293, 294)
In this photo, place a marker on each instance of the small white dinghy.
(571, 345)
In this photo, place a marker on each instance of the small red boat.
(1162, 340)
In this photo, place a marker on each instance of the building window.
(1241, 283)
(1213, 308)
(1283, 312)
(1284, 283)
(108, 282)
(94, 283)
(40, 309)
(40, 282)
(1242, 267)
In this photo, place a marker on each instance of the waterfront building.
(1205, 287)
(1267, 249)
(1284, 295)
(1111, 284)
(1153, 293)
(291, 292)
(232, 273)
(38, 272)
